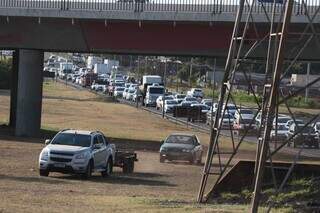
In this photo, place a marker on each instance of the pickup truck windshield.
(72, 140)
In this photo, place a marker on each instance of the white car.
(317, 127)
(290, 122)
(282, 120)
(74, 151)
(169, 105)
(280, 134)
(195, 92)
(124, 94)
(207, 102)
(227, 121)
(244, 114)
(179, 97)
(159, 101)
(133, 86)
(118, 91)
(129, 95)
(231, 108)
(190, 98)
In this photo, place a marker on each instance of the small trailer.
(125, 160)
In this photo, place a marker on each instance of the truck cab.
(146, 81)
(152, 93)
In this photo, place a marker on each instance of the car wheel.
(199, 161)
(88, 172)
(162, 159)
(44, 173)
(192, 159)
(109, 168)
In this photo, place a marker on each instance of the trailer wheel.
(128, 166)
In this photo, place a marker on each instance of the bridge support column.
(14, 89)
(29, 93)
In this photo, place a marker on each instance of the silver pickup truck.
(83, 152)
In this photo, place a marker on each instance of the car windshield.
(246, 111)
(181, 139)
(180, 96)
(231, 107)
(186, 103)
(120, 89)
(317, 126)
(72, 139)
(171, 102)
(227, 116)
(198, 90)
(156, 90)
(283, 120)
(191, 99)
(168, 98)
(118, 84)
(281, 127)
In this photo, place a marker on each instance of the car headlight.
(186, 150)
(82, 155)
(45, 155)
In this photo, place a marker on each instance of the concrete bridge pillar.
(29, 93)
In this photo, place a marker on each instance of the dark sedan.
(181, 147)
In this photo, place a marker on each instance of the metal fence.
(205, 6)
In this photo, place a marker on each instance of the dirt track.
(21, 185)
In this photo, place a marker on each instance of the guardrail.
(198, 6)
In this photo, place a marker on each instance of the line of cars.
(151, 92)
(284, 127)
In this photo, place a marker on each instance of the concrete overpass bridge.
(163, 27)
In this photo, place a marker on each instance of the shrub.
(5, 73)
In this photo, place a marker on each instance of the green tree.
(5, 73)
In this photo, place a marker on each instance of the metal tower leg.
(214, 131)
(271, 106)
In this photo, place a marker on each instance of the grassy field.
(67, 107)
(154, 187)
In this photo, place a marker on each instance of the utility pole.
(307, 81)
(190, 74)
(139, 66)
(164, 87)
(214, 74)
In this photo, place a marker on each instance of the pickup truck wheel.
(88, 172)
(44, 173)
(108, 170)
